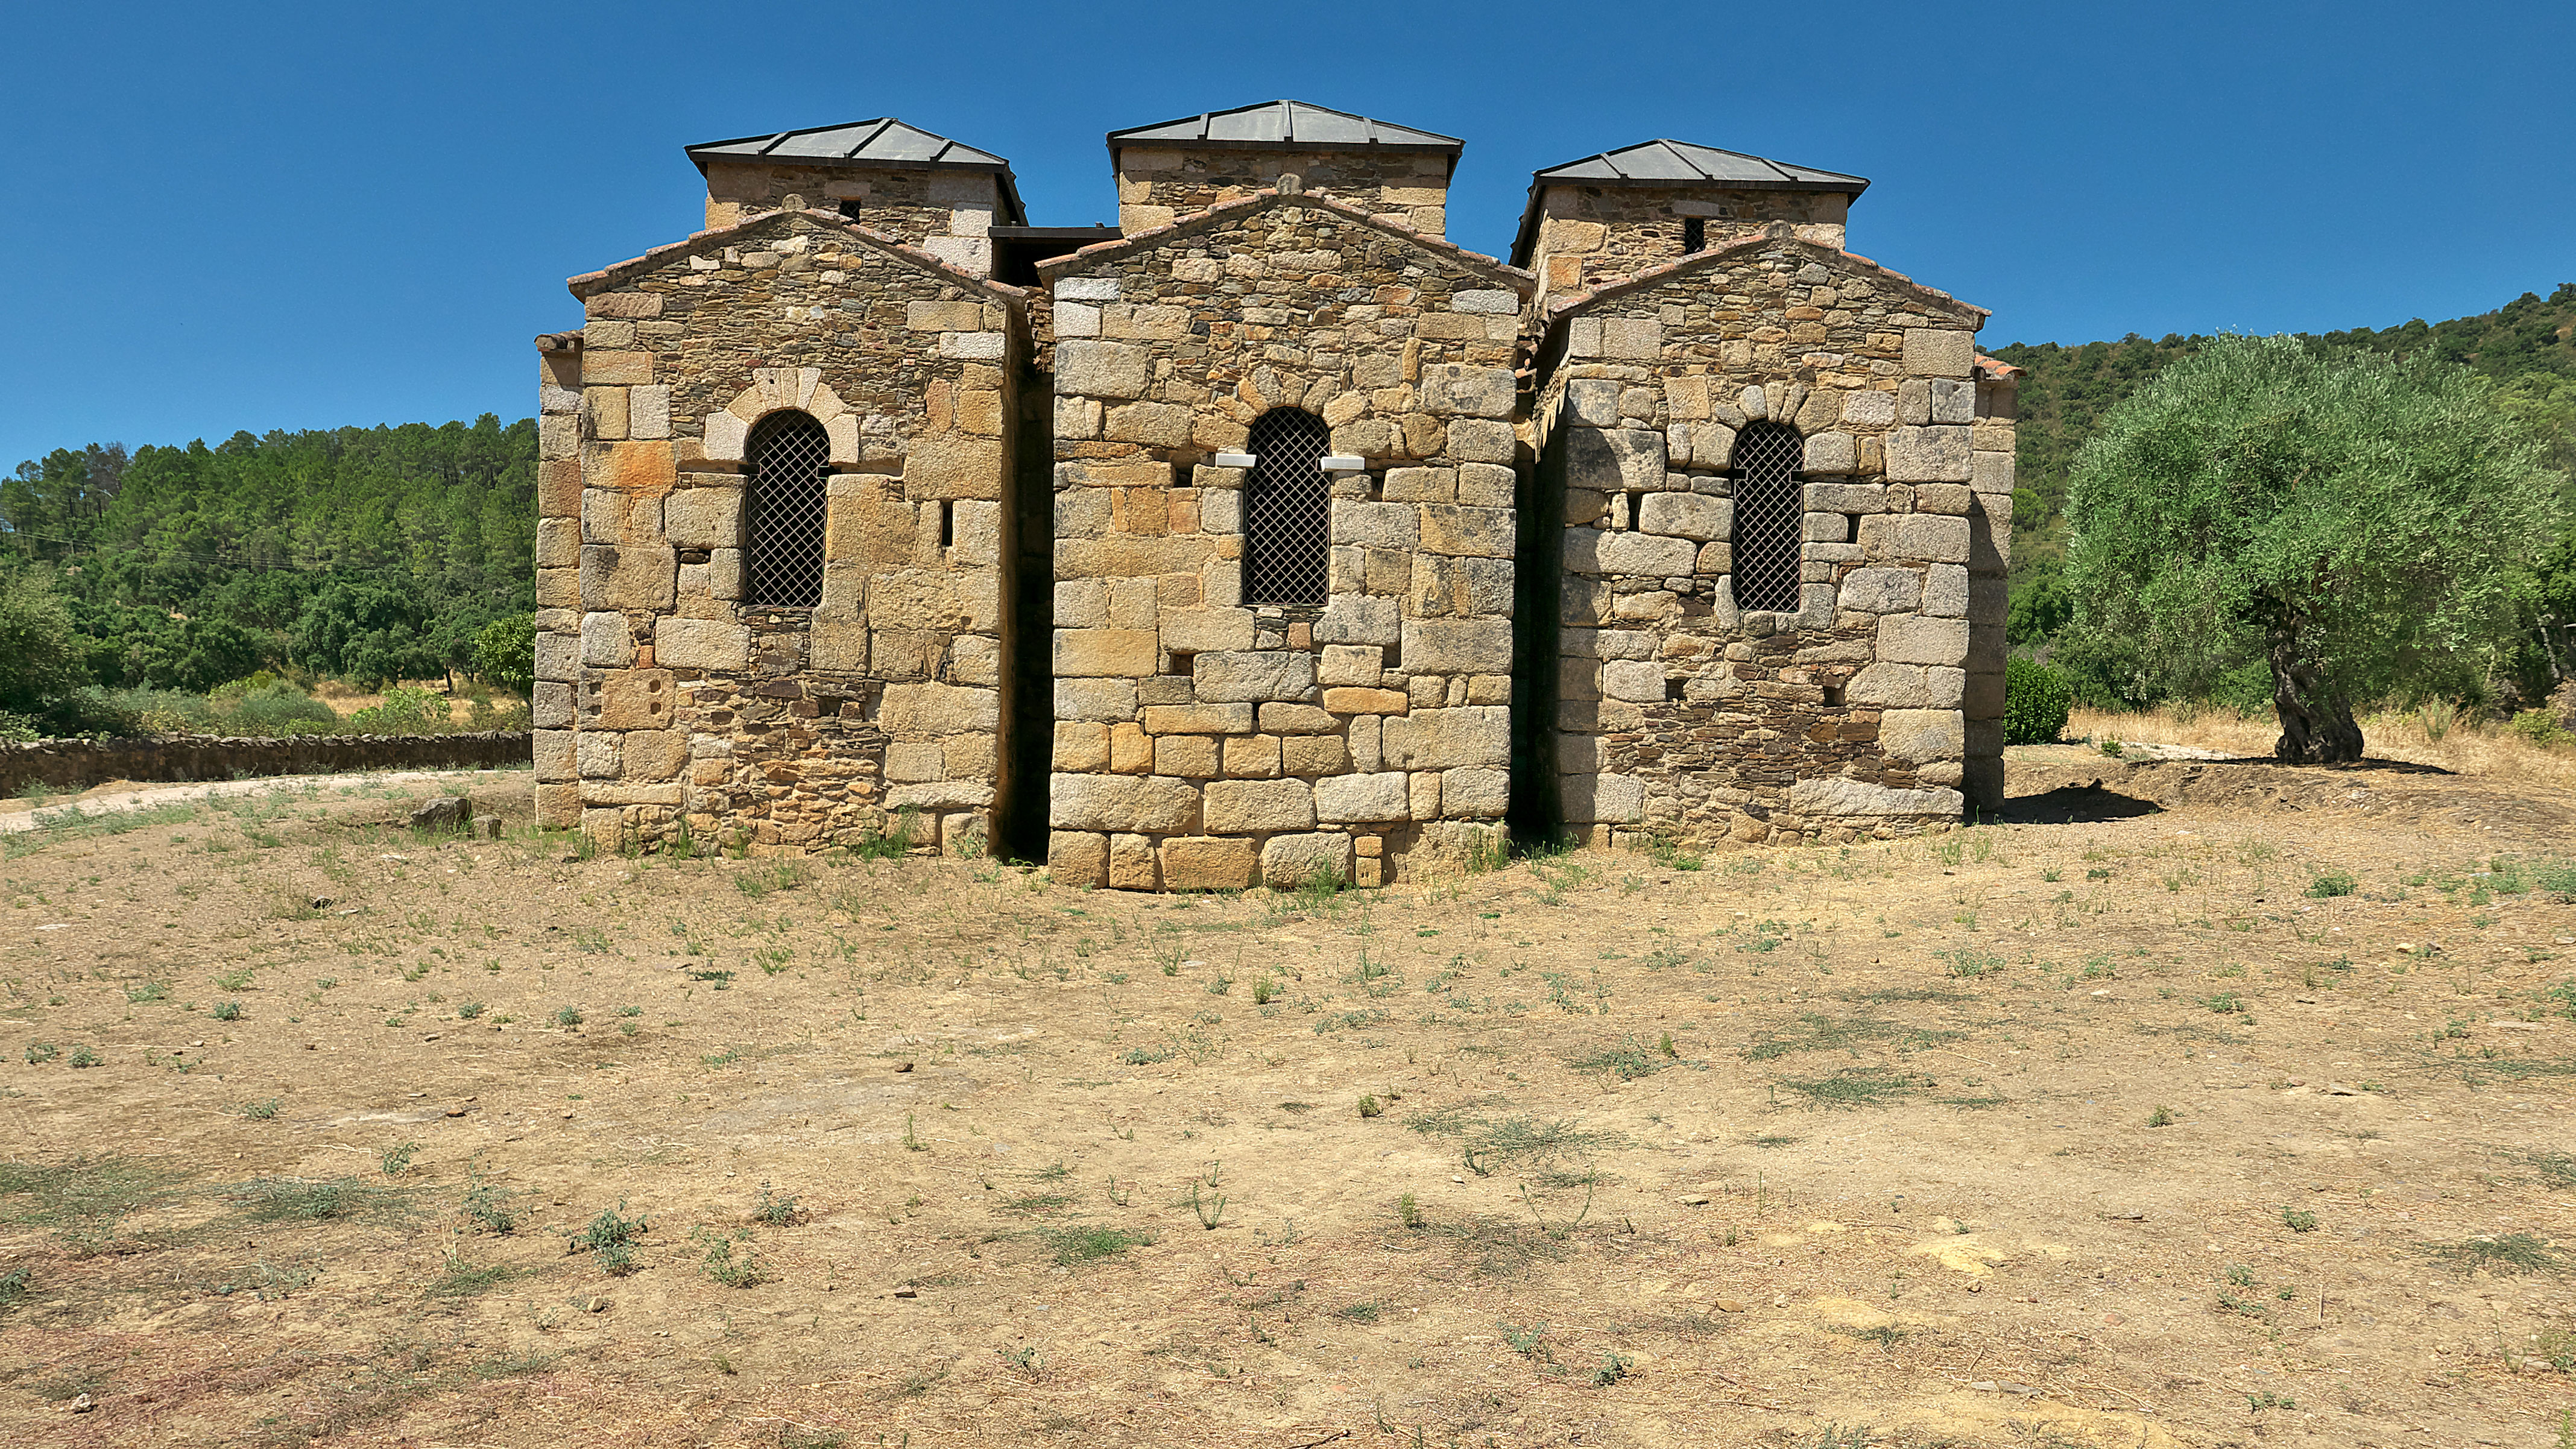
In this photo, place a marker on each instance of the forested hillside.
(362, 553)
(2528, 347)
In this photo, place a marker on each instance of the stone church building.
(1267, 534)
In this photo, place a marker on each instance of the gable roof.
(1677, 163)
(880, 144)
(1285, 126)
(1519, 281)
(618, 274)
(1777, 232)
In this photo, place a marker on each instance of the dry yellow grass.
(2465, 748)
(2187, 1105)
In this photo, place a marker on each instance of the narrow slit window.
(1288, 510)
(789, 454)
(1694, 235)
(1769, 514)
(947, 523)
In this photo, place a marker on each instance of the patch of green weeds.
(1969, 963)
(779, 1210)
(2556, 1169)
(1855, 1087)
(1627, 1061)
(610, 1239)
(1075, 1245)
(2330, 884)
(296, 1199)
(1822, 1033)
(2503, 1254)
(460, 1279)
(729, 1258)
(491, 1207)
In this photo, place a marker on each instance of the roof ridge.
(1525, 282)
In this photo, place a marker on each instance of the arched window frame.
(1288, 510)
(785, 463)
(1770, 517)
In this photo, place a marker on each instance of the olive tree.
(2361, 524)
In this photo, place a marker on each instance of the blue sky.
(286, 216)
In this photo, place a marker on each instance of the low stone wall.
(79, 764)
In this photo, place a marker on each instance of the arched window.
(783, 526)
(1770, 510)
(1287, 510)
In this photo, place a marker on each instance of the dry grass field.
(2189, 1103)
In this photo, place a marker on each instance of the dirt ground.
(2189, 1103)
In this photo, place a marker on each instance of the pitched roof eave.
(1518, 280)
(1560, 309)
(617, 274)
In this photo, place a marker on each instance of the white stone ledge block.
(1086, 289)
(725, 436)
(1840, 796)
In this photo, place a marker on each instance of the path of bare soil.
(2192, 1103)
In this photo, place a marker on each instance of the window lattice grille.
(789, 455)
(1288, 510)
(1769, 514)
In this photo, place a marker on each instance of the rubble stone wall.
(1591, 236)
(666, 701)
(1679, 715)
(948, 213)
(1204, 740)
(79, 764)
(1157, 184)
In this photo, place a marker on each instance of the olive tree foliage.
(2359, 525)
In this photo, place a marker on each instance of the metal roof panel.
(1285, 123)
(1682, 163)
(882, 140)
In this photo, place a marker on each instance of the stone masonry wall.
(1990, 473)
(1156, 185)
(78, 764)
(663, 697)
(1679, 715)
(1592, 236)
(1203, 740)
(948, 213)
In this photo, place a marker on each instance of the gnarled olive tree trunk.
(2317, 727)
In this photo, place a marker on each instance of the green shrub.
(2036, 699)
(405, 710)
(2541, 727)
